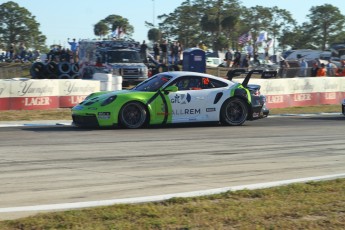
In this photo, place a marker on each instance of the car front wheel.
(133, 115)
(234, 112)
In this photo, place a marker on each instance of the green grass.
(313, 205)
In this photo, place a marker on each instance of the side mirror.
(172, 88)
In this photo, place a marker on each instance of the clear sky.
(64, 19)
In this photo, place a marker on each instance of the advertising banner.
(74, 91)
(33, 94)
(5, 86)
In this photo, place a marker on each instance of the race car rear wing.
(237, 72)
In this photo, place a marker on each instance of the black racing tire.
(64, 67)
(74, 68)
(133, 115)
(52, 68)
(37, 70)
(234, 112)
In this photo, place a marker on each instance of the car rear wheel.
(133, 115)
(234, 112)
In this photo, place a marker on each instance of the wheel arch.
(246, 102)
(147, 107)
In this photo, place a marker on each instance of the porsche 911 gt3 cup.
(173, 97)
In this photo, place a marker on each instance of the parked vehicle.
(117, 57)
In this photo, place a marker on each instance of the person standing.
(237, 60)
(179, 53)
(74, 49)
(245, 62)
(174, 53)
(164, 49)
(143, 51)
(156, 51)
(314, 70)
(228, 58)
(331, 68)
(321, 72)
(303, 68)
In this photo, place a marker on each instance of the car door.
(189, 103)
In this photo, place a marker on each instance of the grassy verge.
(65, 114)
(314, 205)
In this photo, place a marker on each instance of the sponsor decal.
(72, 87)
(27, 88)
(306, 86)
(181, 99)
(104, 115)
(302, 97)
(186, 111)
(29, 101)
(2, 89)
(275, 99)
(330, 96)
(210, 109)
(274, 88)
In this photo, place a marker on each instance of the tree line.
(217, 23)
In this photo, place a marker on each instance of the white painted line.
(88, 204)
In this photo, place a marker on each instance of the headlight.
(108, 100)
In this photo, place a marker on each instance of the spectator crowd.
(19, 53)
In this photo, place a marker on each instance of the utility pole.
(153, 13)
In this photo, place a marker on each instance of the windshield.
(123, 56)
(153, 84)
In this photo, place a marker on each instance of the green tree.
(113, 22)
(18, 25)
(183, 24)
(101, 29)
(201, 20)
(154, 35)
(281, 21)
(326, 22)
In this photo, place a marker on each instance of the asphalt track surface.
(54, 164)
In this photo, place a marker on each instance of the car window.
(153, 84)
(216, 84)
(197, 83)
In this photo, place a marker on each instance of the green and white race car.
(173, 97)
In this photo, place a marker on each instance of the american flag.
(244, 38)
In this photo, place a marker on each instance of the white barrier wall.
(27, 94)
(40, 94)
(287, 92)
(5, 86)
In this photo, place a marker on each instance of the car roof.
(176, 74)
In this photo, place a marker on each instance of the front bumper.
(85, 121)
